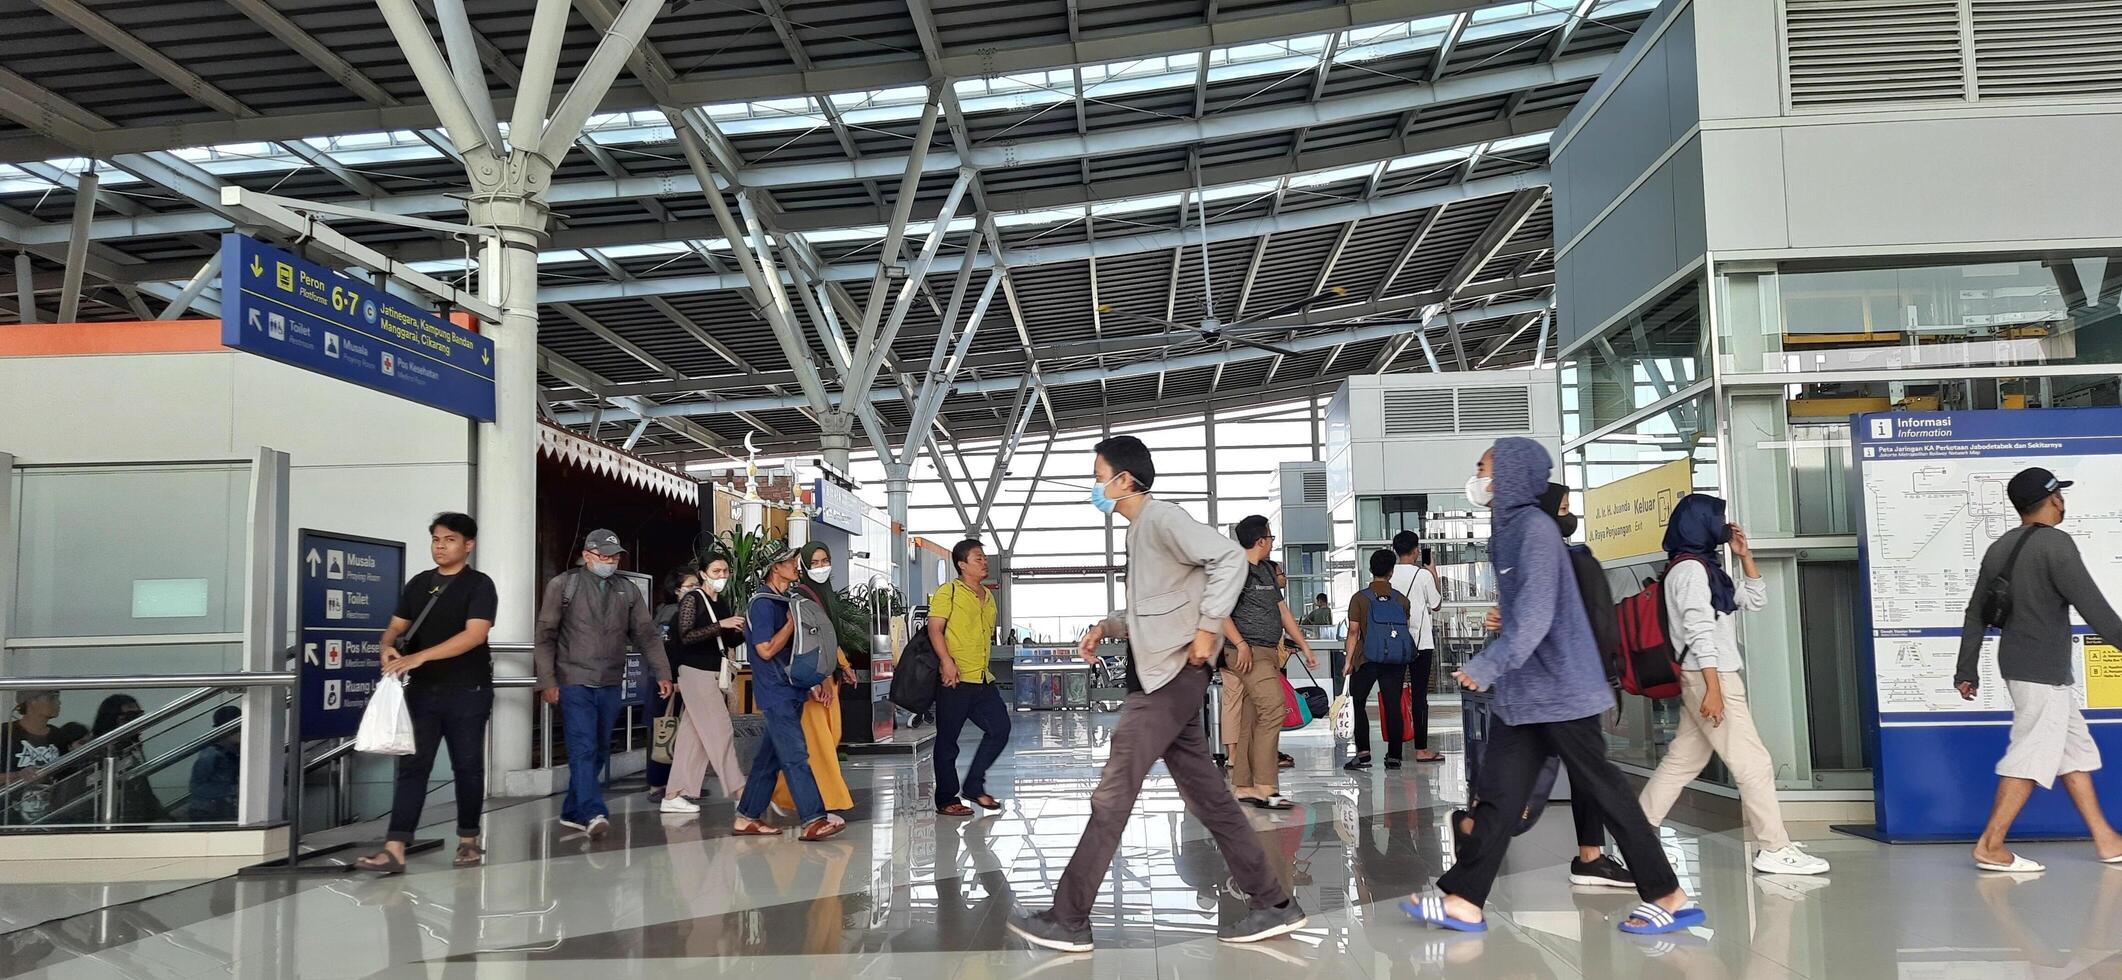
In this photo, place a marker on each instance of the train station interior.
(456, 455)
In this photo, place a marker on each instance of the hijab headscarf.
(823, 593)
(1697, 530)
(1550, 503)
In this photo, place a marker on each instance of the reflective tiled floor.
(906, 894)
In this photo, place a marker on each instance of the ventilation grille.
(1315, 487)
(2048, 47)
(1869, 52)
(1446, 411)
(1420, 412)
(1495, 410)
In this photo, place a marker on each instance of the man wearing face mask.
(1183, 580)
(585, 623)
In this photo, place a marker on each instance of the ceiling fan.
(1212, 328)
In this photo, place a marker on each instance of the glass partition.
(1988, 311)
(1649, 357)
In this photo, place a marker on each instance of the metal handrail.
(90, 750)
(100, 682)
(149, 768)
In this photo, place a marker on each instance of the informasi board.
(1931, 492)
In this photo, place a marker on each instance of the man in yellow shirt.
(961, 624)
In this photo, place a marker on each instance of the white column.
(507, 504)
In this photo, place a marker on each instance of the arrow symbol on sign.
(255, 325)
(486, 357)
(257, 267)
(309, 653)
(313, 559)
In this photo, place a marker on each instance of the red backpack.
(1650, 661)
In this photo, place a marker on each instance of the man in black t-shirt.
(437, 642)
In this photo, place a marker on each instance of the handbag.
(665, 738)
(1343, 713)
(1302, 704)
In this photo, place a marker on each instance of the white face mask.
(821, 574)
(1481, 490)
(715, 583)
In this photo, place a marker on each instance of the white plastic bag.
(386, 727)
(1344, 712)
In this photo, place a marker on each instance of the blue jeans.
(589, 715)
(781, 753)
(982, 705)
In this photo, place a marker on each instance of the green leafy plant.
(856, 607)
(747, 552)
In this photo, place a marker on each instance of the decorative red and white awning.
(618, 464)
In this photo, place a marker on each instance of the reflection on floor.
(908, 894)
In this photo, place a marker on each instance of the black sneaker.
(1357, 763)
(1267, 923)
(1040, 929)
(1392, 763)
(1605, 872)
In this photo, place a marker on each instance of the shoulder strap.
(432, 598)
(567, 588)
(2011, 564)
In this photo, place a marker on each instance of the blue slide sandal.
(1657, 921)
(1431, 910)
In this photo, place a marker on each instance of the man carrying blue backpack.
(791, 641)
(1381, 643)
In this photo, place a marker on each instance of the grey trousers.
(1163, 724)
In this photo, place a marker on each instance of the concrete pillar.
(507, 504)
(898, 492)
(25, 288)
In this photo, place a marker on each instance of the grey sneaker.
(1267, 923)
(1041, 929)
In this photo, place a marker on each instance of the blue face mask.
(1098, 498)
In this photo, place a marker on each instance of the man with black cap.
(585, 623)
(2038, 568)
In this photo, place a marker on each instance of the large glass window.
(1649, 357)
(1980, 312)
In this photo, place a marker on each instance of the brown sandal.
(988, 802)
(469, 856)
(955, 809)
(381, 862)
(753, 828)
(823, 828)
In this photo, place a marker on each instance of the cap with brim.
(603, 542)
(2031, 486)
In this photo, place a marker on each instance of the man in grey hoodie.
(1550, 691)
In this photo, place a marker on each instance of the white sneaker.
(1789, 861)
(598, 827)
(679, 804)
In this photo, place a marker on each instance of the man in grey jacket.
(2049, 739)
(585, 623)
(1182, 581)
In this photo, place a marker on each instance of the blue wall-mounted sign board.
(1930, 489)
(347, 590)
(279, 305)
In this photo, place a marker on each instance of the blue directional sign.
(348, 590)
(295, 311)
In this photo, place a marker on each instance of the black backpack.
(917, 676)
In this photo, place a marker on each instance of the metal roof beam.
(314, 51)
(146, 56)
(1151, 241)
(1321, 341)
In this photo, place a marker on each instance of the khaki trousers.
(1736, 742)
(704, 737)
(1253, 708)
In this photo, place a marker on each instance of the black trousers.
(1515, 755)
(1390, 680)
(457, 717)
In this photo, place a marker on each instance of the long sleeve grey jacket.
(1182, 576)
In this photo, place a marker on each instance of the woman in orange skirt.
(821, 714)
